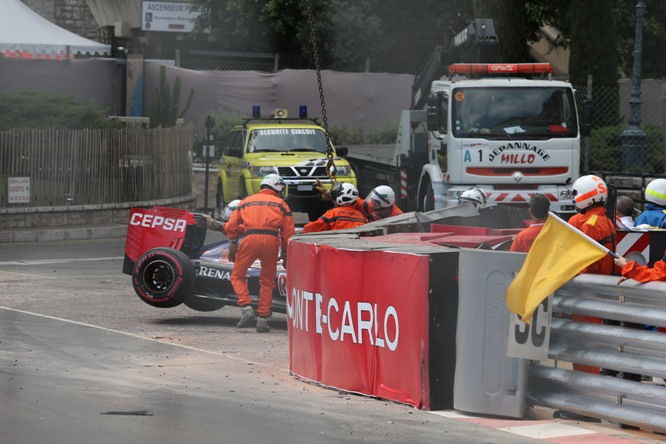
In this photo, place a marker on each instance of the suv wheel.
(219, 198)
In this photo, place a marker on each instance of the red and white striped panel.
(630, 244)
(516, 196)
(403, 184)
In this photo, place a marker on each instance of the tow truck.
(508, 128)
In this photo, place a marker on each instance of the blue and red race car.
(170, 265)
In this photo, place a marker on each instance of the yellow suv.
(295, 149)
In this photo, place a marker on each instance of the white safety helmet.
(274, 182)
(655, 192)
(473, 195)
(230, 208)
(589, 190)
(381, 197)
(344, 193)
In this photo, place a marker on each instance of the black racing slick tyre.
(163, 277)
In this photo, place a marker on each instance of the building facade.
(73, 15)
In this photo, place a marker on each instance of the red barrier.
(459, 229)
(472, 241)
(358, 321)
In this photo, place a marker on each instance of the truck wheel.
(163, 277)
(242, 190)
(426, 198)
(219, 198)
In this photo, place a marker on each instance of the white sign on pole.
(168, 16)
(19, 189)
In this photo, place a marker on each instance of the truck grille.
(302, 171)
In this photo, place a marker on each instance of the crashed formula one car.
(170, 265)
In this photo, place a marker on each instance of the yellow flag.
(558, 253)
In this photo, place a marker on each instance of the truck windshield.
(513, 113)
(287, 139)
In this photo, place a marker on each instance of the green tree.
(393, 36)
(399, 35)
(594, 52)
(653, 63)
(164, 107)
(593, 44)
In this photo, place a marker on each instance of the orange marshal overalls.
(599, 227)
(337, 218)
(524, 240)
(370, 213)
(642, 273)
(263, 222)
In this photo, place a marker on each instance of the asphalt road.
(83, 360)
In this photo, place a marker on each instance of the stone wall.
(73, 15)
(82, 215)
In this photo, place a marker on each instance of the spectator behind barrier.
(539, 206)
(624, 215)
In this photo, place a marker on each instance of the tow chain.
(330, 164)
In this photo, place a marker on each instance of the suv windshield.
(287, 139)
(506, 113)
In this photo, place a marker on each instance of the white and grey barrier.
(628, 348)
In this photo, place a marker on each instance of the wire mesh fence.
(227, 61)
(55, 167)
(616, 146)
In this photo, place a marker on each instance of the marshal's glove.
(233, 249)
(321, 188)
(213, 224)
(284, 260)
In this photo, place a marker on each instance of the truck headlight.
(343, 170)
(565, 195)
(263, 170)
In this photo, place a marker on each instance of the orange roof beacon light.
(500, 68)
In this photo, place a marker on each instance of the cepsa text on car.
(152, 221)
(353, 321)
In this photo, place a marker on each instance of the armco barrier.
(612, 347)
(462, 361)
(405, 320)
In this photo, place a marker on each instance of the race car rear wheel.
(163, 277)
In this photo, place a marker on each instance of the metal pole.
(588, 97)
(210, 123)
(633, 137)
(663, 117)
(121, 79)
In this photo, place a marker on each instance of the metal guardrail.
(611, 347)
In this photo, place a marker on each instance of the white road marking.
(187, 347)
(450, 414)
(56, 261)
(547, 431)
(11, 274)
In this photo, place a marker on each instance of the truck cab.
(511, 136)
(295, 149)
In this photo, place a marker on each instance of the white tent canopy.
(27, 35)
